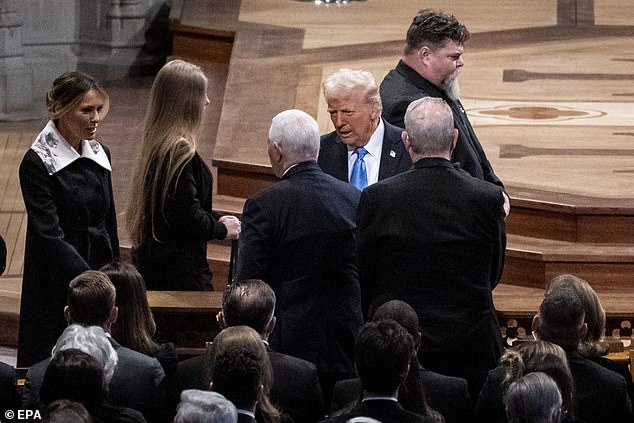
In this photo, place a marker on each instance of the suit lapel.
(390, 156)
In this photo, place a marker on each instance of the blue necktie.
(359, 176)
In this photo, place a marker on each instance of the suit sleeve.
(111, 218)
(185, 213)
(39, 199)
(367, 256)
(499, 252)
(254, 258)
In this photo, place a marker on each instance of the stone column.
(112, 34)
(16, 78)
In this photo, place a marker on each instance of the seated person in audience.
(240, 370)
(535, 398)
(78, 376)
(9, 395)
(383, 354)
(198, 406)
(527, 357)
(593, 345)
(138, 379)
(600, 395)
(3, 255)
(295, 389)
(360, 134)
(66, 411)
(447, 394)
(135, 327)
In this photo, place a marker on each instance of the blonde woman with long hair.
(170, 216)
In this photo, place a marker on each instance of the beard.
(451, 86)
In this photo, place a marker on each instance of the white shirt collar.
(379, 398)
(246, 412)
(375, 145)
(57, 153)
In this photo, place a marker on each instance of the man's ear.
(536, 323)
(270, 326)
(277, 151)
(220, 317)
(114, 314)
(405, 139)
(424, 53)
(67, 314)
(584, 331)
(454, 142)
(417, 340)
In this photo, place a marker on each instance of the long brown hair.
(172, 124)
(135, 324)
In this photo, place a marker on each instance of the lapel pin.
(392, 153)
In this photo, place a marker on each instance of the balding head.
(250, 302)
(429, 129)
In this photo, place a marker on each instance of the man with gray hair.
(363, 148)
(299, 236)
(434, 237)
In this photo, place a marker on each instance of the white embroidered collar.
(56, 152)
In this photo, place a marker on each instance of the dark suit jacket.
(385, 411)
(600, 394)
(403, 85)
(446, 394)
(333, 155)
(433, 237)
(295, 389)
(299, 236)
(137, 383)
(9, 395)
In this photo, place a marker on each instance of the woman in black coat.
(67, 190)
(170, 217)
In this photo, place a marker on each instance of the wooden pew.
(186, 318)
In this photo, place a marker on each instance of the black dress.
(177, 261)
(71, 228)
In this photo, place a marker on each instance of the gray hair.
(297, 133)
(198, 406)
(429, 126)
(346, 80)
(535, 398)
(92, 340)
